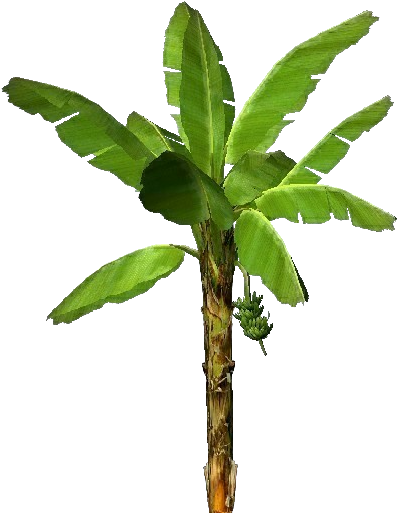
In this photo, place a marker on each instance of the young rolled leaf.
(331, 149)
(315, 203)
(287, 86)
(177, 189)
(91, 131)
(262, 252)
(118, 281)
(254, 173)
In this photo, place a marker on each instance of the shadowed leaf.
(182, 193)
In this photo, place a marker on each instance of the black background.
(110, 409)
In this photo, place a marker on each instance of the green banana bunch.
(255, 327)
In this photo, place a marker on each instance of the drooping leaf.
(331, 150)
(118, 281)
(90, 131)
(315, 203)
(254, 173)
(262, 252)
(182, 193)
(155, 138)
(287, 86)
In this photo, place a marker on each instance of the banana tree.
(182, 177)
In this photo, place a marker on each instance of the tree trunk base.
(224, 496)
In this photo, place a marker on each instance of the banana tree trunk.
(217, 257)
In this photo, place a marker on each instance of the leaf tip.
(50, 318)
(369, 15)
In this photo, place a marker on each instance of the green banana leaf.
(201, 98)
(118, 281)
(198, 87)
(262, 252)
(316, 203)
(331, 150)
(91, 130)
(287, 86)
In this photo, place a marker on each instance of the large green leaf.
(91, 131)
(182, 193)
(198, 86)
(315, 203)
(172, 56)
(173, 80)
(254, 173)
(118, 281)
(286, 87)
(201, 98)
(262, 252)
(331, 149)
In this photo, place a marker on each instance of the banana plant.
(182, 177)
